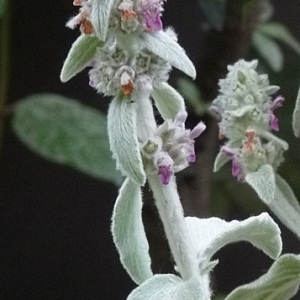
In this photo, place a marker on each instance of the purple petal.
(151, 13)
(277, 102)
(235, 170)
(274, 122)
(197, 130)
(227, 151)
(165, 173)
(181, 118)
(165, 167)
(191, 158)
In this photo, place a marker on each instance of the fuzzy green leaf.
(100, 15)
(80, 54)
(129, 234)
(269, 50)
(220, 161)
(164, 46)
(168, 101)
(67, 132)
(210, 235)
(122, 132)
(280, 32)
(192, 95)
(171, 287)
(280, 282)
(263, 182)
(286, 206)
(214, 10)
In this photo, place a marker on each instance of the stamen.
(86, 27)
(127, 14)
(250, 143)
(128, 88)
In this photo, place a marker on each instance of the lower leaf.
(171, 287)
(286, 206)
(122, 132)
(280, 282)
(263, 182)
(129, 234)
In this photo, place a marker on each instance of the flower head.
(246, 110)
(172, 148)
(115, 69)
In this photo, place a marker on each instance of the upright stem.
(145, 122)
(171, 214)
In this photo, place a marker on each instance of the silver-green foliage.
(265, 40)
(67, 132)
(280, 282)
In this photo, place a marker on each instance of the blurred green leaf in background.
(67, 132)
(3, 6)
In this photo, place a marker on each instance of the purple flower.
(277, 102)
(235, 170)
(197, 130)
(273, 119)
(274, 122)
(151, 11)
(165, 168)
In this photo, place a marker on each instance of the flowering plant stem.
(171, 214)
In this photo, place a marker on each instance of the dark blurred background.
(55, 238)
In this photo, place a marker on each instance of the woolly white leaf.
(269, 50)
(280, 32)
(66, 132)
(220, 161)
(171, 287)
(129, 234)
(296, 116)
(100, 15)
(122, 132)
(286, 206)
(80, 54)
(280, 282)
(167, 100)
(161, 44)
(210, 235)
(263, 182)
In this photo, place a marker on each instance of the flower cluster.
(172, 148)
(123, 63)
(115, 69)
(247, 116)
(126, 16)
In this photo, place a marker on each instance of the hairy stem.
(171, 214)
